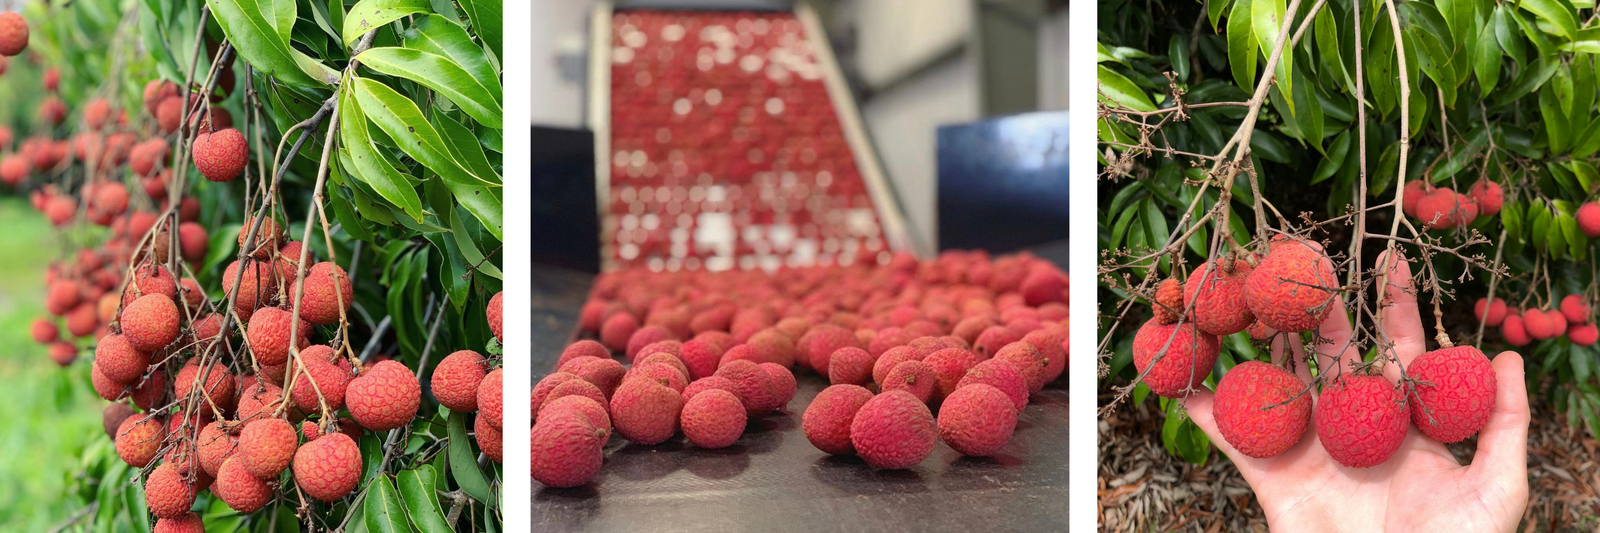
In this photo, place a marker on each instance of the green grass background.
(49, 416)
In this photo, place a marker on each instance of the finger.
(1402, 321)
(1301, 369)
(1335, 348)
(1503, 442)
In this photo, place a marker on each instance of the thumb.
(1503, 442)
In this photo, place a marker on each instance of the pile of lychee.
(1573, 318)
(1444, 208)
(1263, 409)
(708, 353)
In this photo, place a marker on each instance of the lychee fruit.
(221, 155)
(325, 372)
(891, 358)
(218, 383)
(1496, 311)
(645, 411)
(1218, 295)
(1003, 376)
(267, 238)
(1574, 309)
(1052, 344)
(1184, 364)
(257, 283)
(496, 317)
(1167, 304)
(977, 420)
(237, 487)
(13, 34)
(713, 419)
(329, 467)
(166, 493)
(1291, 289)
(1489, 197)
(578, 387)
(112, 416)
(913, 377)
(755, 386)
(595, 412)
(827, 420)
(213, 446)
(1589, 219)
(455, 381)
(150, 322)
(268, 335)
(489, 439)
(583, 348)
(185, 523)
(1452, 393)
(1539, 325)
(783, 383)
(258, 401)
(606, 374)
(385, 396)
(327, 294)
(139, 439)
(1262, 409)
(894, 430)
(567, 450)
(491, 399)
(1415, 191)
(849, 366)
(118, 360)
(1583, 334)
(617, 330)
(266, 446)
(63, 353)
(824, 340)
(1513, 331)
(1361, 420)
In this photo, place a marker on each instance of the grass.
(50, 415)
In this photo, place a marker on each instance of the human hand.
(1421, 487)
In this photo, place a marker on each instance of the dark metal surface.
(564, 212)
(1003, 182)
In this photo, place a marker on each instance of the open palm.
(1421, 487)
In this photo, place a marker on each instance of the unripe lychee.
(151, 322)
(827, 420)
(266, 447)
(1453, 392)
(139, 439)
(327, 294)
(713, 419)
(1291, 289)
(1219, 301)
(13, 34)
(1496, 311)
(1168, 302)
(1589, 219)
(1575, 309)
(1361, 420)
(221, 155)
(1513, 331)
(268, 335)
(914, 377)
(645, 411)
(755, 386)
(567, 450)
(455, 381)
(1003, 376)
(489, 439)
(491, 400)
(329, 467)
(118, 360)
(977, 420)
(385, 396)
(1184, 364)
(496, 317)
(1262, 409)
(893, 430)
(239, 489)
(166, 493)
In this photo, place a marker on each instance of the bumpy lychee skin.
(258, 401)
(583, 348)
(977, 420)
(257, 283)
(1255, 412)
(167, 494)
(1489, 196)
(1287, 290)
(150, 322)
(118, 360)
(218, 383)
(1003, 376)
(1575, 309)
(239, 489)
(215, 446)
(1168, 302)
(892, 358)
(268, 237)
(849, 366)
(913, 377)
(580, 388)
(489, 439)
(491, 400)
(713, 419)
(266, 447)
(595, 412)
(567, 450)
(949, 366)
(668, 359)
(456, 379)
(329, 467)
(1491, 313)
(324, 372)
(823, 341)
(139, 438)
(185, 523)
(222, 155)
(1218, 295)
(13, 34)
(1454, 392)
(1052, 344)
(755, 386)
(1188, 359)
(384, 397)
(893, 430)
(268, 335)
(496, 316)
(827, 420)
(1589, 219)
(1361, 420)
(645, 411)
(783, 383)
(327, 294)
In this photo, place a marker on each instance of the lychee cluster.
(708, 354)
(1573, 319)
(1444, 208)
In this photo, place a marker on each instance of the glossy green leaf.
(1178, 55)
(486, 19)
(1266, 18)
(402, 120)
(1555, 120)
(367, 165)
(1117, 88)
(1551, 11)
(1487, 61)
(368, 15)
(1242, 51)
(463, 461)
(483, 202)
(264, 42)
(382, 509)
(440, 74)
(421, 502)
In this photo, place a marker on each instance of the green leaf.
(382, 509)
(1553, 12)
(1506, 35)
(369, 15)
(1178, 55)
(1117, 88)
(485, 16)
(1266, 16)
(443, 76)
(1487, 59)
(1334, 159)
(369, 167)
(463, 461)
(1555, 121)
(483, 202)
(1214, 10)
(422, 503)
(438, 35)
(264, 43)
(399, 117)
(1326, 32)
(1242, 46)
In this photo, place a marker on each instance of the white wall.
(904, 123)
(557, 26)
(1053, 71)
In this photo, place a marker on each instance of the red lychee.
(221, 155)
(1361, 420)
(139, 439)
(491, 399)
(755, 386)
(893, 430)
(1185, 362)
(1262, 409)
(329, 467)
(266, 447)
(713, 419)
(1168, 302)
(1514, 332)
(1291, 289)
(167, 494)
(118, 360)
(455, 381)
(385, 396)
(327, 294)
(239, 489)
(583, 348)
(849, 366)
(1453, 392)
(1575, 309)
(914, 377)
(949, 366)
(1218, 295)
(495, 316)
(977, 420)
(268, 335)
(150, 322)
(783, 383)
(1583, 334)
(1496, 311)
(1488, 196)
(1003, 376)
(567, 450)
(645, 411)
(185, 523)
(218, 383)
(595, 412)
(13, 34)
(213, 446)
(1589, 219)
(489, 439)
(325, 372)
(827, 420)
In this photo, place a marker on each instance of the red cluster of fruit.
(1262, 409)
(1444, 208)
(1573, 318)
(711, 351)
